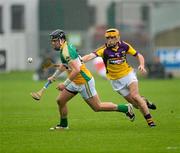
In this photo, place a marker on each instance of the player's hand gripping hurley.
(48, 63)
(38, 95)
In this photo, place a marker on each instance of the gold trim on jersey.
(84, 75)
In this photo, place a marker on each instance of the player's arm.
(74, 65)
(75, 70)
(98, 52)
(88, 57)
(141, 66)
(58, 71)
(139, 57)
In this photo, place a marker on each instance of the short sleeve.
(70, 53)
(131, 50)
(100, 51)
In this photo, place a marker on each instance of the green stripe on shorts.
(88, 90)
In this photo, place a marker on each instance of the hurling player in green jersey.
(79, 80)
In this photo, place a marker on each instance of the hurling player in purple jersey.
(121, 75)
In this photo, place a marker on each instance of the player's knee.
(58, 101)
(96, 109)
(135, 105)
(61, 103)
(134, 96)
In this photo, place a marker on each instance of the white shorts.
(86, 90)
(121, 85)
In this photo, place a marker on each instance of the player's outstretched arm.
(88, 57)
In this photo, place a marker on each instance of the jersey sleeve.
(131, 50)
(99, 51)
(70, 53)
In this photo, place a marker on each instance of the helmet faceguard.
(112, 36)
(58, 37)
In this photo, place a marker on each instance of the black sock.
(63, 122)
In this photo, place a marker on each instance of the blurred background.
(152, 27)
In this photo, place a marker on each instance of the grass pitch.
(25, 123)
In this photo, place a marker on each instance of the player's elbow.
(140, 56)
(77, 70)
(62, 68)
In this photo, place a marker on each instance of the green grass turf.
(24, 123)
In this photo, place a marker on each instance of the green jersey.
(68, 53)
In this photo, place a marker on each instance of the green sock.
(63, 122)
(122, 108)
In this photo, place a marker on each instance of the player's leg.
(149, 103)
(95, 103)
(120, 86)
(128, 88)
(90, 95)
(135, 97)
(62, 99)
